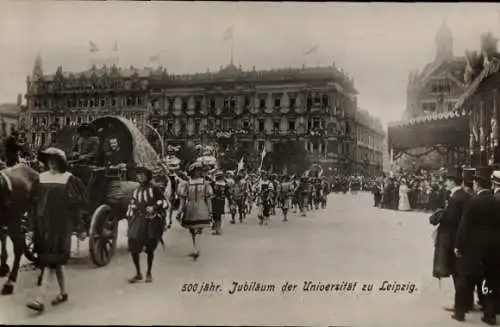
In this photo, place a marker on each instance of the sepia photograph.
(249, 163)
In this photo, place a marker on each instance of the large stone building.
(370, 138)
(431, 133)
(315, 106)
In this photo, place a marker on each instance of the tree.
(290, 156)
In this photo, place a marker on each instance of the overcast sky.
(377, 44)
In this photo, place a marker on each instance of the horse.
(17, 189)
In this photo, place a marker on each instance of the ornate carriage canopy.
(131, 140)
(451, 128)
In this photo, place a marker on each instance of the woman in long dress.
(404, 202)
(60, 199)
(196, 204)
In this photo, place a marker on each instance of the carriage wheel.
(103, 235)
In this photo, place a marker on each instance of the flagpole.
(232, 48)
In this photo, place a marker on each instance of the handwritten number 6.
(484, 289)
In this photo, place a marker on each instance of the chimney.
(19, 99)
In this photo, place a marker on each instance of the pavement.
(349, 242)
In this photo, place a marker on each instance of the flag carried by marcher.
(93, 47)
(115, 47)
(241, 164)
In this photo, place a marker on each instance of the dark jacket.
(444, 257)
(88, 148)
(474, 233)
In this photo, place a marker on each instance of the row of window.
(432, 107)
(67, 121)
(177, 103)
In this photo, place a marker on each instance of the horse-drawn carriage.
(108, 187)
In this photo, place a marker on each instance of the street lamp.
(159, 136)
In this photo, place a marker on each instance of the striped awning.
(429, 118)
(439, 129)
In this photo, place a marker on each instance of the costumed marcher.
(239, 194)
(221, 193)
(196, 204)
(474, 246)
(285, 194)
(264, 199)
(172, 184)
(326, 191)
(60, 199)
(302, 193)
(145, 229)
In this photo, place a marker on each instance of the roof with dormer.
(231, 72)
(491, 68)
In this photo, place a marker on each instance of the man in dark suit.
(444, 256)
(495, 241)
(472, 244)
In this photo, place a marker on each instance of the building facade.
(370, 138)
(431, 97)
(437, 88)
(313, 106)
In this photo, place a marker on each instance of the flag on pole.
(241, 164)
(311, 50)
(115, 47)
(154, 58)
(262, 155)
(228, 34)
(93, 47)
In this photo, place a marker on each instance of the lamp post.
(159, 136)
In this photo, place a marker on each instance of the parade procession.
(114, 173)
(247, 164)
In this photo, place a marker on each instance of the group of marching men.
(239, 190)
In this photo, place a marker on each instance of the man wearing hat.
(467, 174)
(145, 223)
(87, 146)
(475, 250)
(495, 178)
(264, 191)
(444, 256)
(221, 193)
(239, 193)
